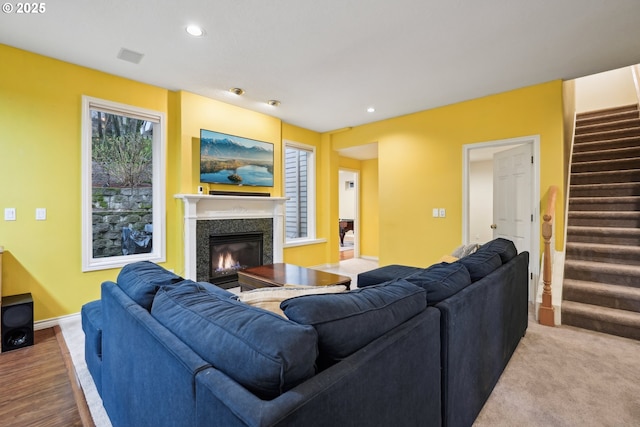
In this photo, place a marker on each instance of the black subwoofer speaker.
(17, 322)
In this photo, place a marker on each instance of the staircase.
(601, 288)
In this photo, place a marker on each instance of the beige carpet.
(561, 376)
(566, 376)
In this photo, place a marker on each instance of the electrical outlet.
(443, 213)
(9, 214)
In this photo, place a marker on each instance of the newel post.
(545, 312)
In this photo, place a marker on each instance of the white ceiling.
(327, 61)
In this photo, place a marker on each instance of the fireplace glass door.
(231, 253)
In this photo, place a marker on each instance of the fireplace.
(230, 253)
(207, 215)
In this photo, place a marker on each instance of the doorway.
(478, 197)
(348, 213)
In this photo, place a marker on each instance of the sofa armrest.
(481, 327)
(395, 380)
(148, 373)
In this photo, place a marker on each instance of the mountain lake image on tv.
(229, 159)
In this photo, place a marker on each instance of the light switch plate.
(9, 214)
(41, 214)
(435, 212)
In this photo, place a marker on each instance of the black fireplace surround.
(228, 228)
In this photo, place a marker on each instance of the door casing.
(534, 251)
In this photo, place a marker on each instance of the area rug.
(71, 327)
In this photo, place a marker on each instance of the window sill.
(303, 242)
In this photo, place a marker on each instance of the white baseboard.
(50, 323)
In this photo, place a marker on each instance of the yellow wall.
(40, 134)
(420, 164)
(40, 146)
(369, 209)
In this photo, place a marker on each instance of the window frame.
(311, 193)
(158, 252)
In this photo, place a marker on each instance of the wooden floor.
(36, 387)
(348, 254)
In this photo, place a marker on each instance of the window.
(123, 185)
(299, 182)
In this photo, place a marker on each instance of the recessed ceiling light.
(371, 110)
(273, 102)
(195, 31)
(236, 91)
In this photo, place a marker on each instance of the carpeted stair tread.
(603, 144)
(602, 272)
(616, 189)
(605, 235)
(612, 296)
(603, 231)
(602, 319)
(582, 121)
(608, 154)
(606, 165)
(607, 134)
(605, 177)
(607, 112)
(629, 219)
(618, 203)
(610, 123)
(605, 214)
(598, 252)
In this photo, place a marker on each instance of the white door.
(512, 202)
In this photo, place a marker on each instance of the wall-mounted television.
(234, 160)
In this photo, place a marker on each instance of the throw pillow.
(481, 264)
(440, 281)
(265, 353)
(141, 280)
(348, 321)
(270, 298)
(464, 250)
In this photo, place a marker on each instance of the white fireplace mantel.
(198, 207)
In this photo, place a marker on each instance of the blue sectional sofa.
(171, 352)
(411, 347)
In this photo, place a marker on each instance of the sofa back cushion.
(503, 247)
(481, 263)
(440, 281)
(141, 280)
(348, 321)
(264, 352)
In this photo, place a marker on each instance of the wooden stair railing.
(545, 312)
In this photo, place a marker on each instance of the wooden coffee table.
(281, 274)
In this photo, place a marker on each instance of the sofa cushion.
(141, 280)
(480, 264)
(270, 298)
(441, 280)
(384, 274)
(264, 352)
(503, 247)
(349, 321)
